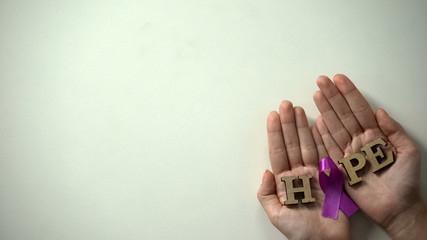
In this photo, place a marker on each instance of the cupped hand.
(293, 152)
(346, 124)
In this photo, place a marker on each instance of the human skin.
(391, 196)
(293, 152)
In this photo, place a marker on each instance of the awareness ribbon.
(332, 186)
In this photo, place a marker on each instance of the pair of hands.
(347, 122)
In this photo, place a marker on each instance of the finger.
(276, 145)
(335, 127)
(268, 198)
(287, 118)
(307, 146)
(334, 151)
(358, 104)
(321, 150)
(395, 133)
(339, 104)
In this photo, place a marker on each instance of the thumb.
(268, 198)
(394, 132)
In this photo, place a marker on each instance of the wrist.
(410, 223)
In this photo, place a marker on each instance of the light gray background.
(147, 119)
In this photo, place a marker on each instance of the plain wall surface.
(147, 119)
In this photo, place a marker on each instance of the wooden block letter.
(291, 190)
(375, 154)
(350, 169)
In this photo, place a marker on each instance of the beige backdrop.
(147, 119)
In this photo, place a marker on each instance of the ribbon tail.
(347, 206)
(331, 205)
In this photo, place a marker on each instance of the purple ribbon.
(332, 186)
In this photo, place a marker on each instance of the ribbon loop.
(332, 185)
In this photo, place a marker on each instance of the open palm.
(347, 123)
(293, 152)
